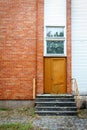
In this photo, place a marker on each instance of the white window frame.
(52, 39)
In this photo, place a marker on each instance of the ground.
(25, 119)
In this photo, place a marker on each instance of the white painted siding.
(54, 15)
(79, 43)
(55, 12)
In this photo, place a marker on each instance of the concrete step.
(56, 103)
(54, 99)
(56, 108)
(54, 96)
(53, 105)
(56, 113)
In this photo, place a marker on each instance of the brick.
(21, 48)
(17, 48)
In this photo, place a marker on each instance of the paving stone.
(61, 123)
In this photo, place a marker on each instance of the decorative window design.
(54, 41)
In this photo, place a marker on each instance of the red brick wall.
(21, 48)
(40, 44)
(69, 46)
(18, 48)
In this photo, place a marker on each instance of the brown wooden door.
(55, 75)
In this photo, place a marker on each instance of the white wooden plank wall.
(55, 12)
(79, 43)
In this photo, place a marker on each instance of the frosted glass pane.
(55, 47)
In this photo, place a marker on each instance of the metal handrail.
(75, 92)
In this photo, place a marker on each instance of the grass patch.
(17, 126)
(27, 111)
(82, 113)
(4, 109)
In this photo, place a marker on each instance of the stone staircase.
(53, 105)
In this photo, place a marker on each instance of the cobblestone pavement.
(60, 123)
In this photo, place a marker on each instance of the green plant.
(17, 126)
(27, 111)
(4, 109)
(32, 112)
